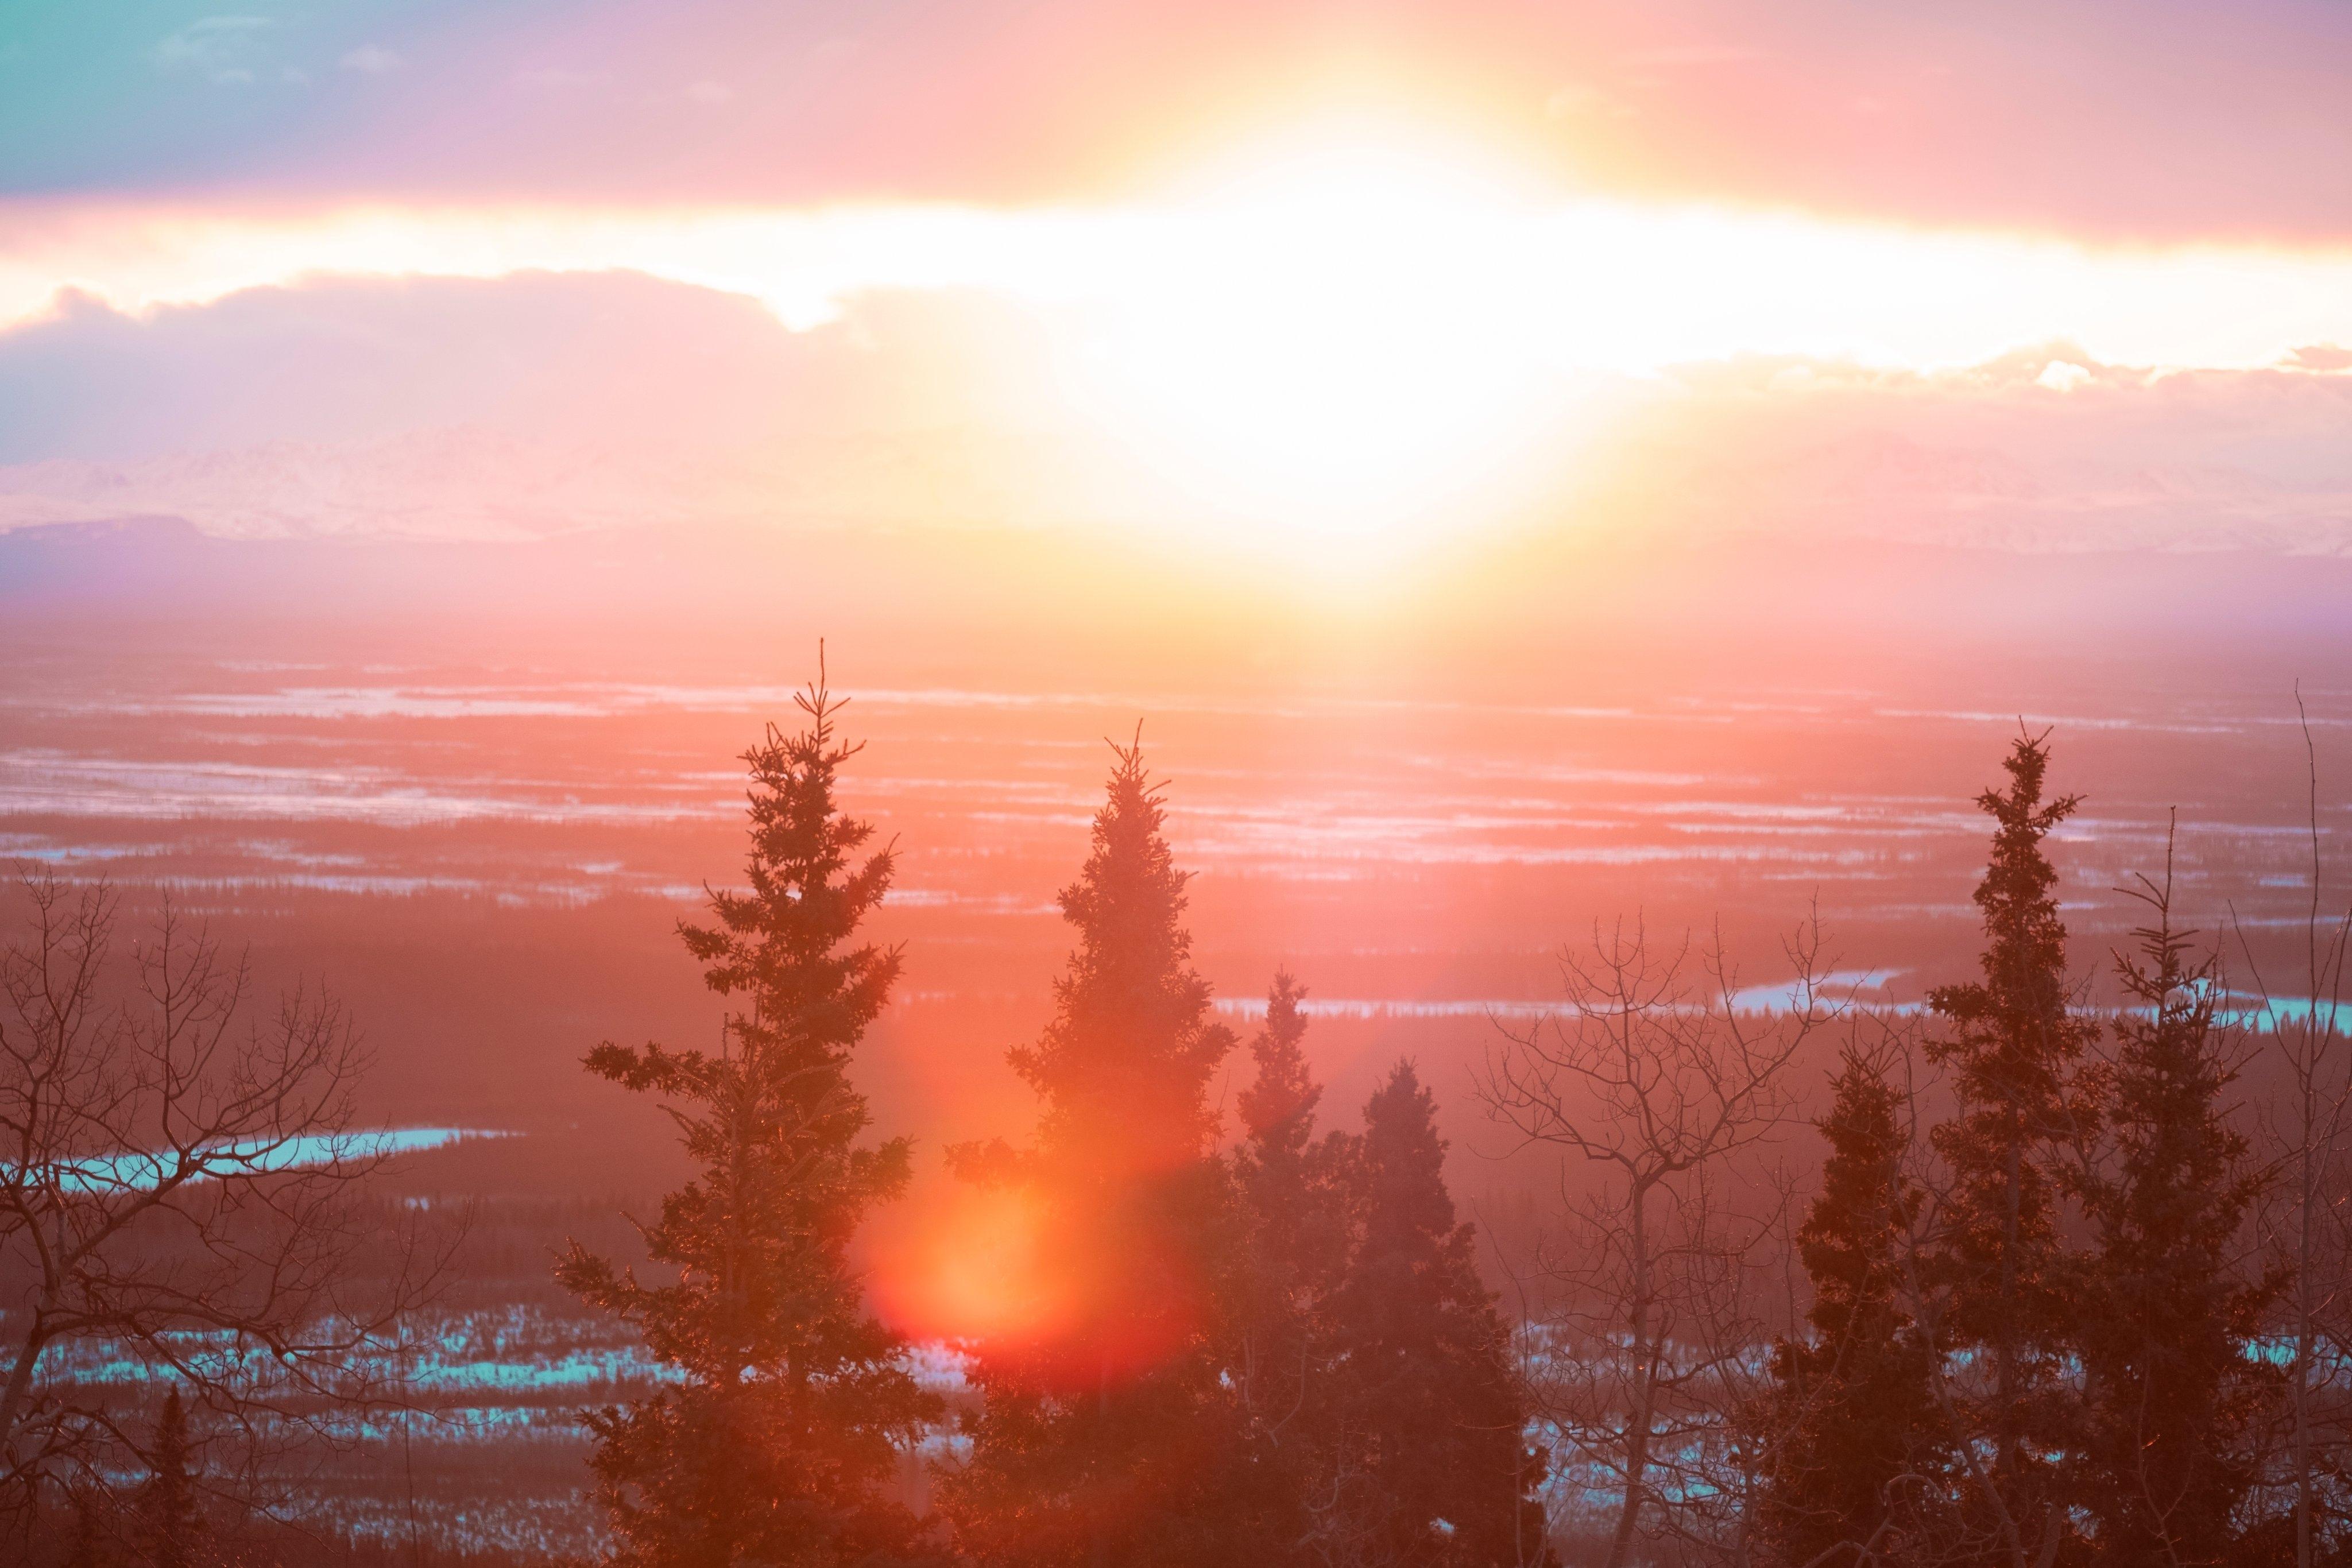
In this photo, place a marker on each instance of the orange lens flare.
(973, 1268)
(1044, 1284)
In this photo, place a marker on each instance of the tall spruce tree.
(777, 1445)
(170, 1522)
(2172, 1391)
(1851, 1414)
(1296, 1213)
(1433, 1465)
(1298, 1217)
(1106, 1437)
(2011, 1290)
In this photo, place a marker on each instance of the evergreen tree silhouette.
(777, 1445)
(1108, 1438)
(170, 1520)
(2013, 1047)
(1296, 1214)
(1851, 1430)
(1297, 1201)
(1434, 1467)
(2173, 1390)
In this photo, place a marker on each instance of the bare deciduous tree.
(2311, 1032)
(181, 1191)
(1655, 1077)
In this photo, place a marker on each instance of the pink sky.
(2071, 275)
(2166, 121)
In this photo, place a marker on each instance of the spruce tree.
(1107, 1437)
(1851, 1413)
(2013, 1047)
(2173, 1392)
(777, 1444)
(169, 1520)
(1297, 1220)
(1295, 1214)
(1433, 1465)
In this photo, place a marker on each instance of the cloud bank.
(549, 404)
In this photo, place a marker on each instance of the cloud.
(589, 355)
(370, 59)
(218, 48)
(543, 402)
(534, 405)
(2129, 459)
(595, 356)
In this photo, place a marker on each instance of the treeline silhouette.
(2055, 1295)
(2035, 1334)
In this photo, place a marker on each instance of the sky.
(1372, 273)
(2163, 121)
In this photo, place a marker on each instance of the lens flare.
(969, 1266)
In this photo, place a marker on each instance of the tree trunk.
(2303, 1316)
(20, 1387)
(2007, 1437)
(1638, 1420)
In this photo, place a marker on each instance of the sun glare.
(1345, 342)
(1313, 350)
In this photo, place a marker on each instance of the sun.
(1330, 338)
